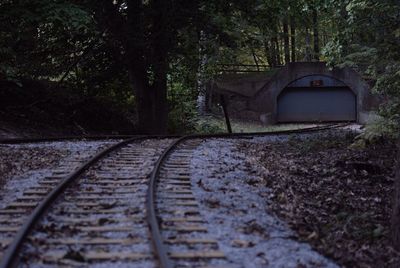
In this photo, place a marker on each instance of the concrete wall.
(265, 101)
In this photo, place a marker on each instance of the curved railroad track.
(131, 204)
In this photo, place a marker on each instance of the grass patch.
(212, 124)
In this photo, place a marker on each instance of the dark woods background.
(151, 58)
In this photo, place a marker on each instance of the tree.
(145, 35)
(286, 40)
(316, 32)
(39, 38)
(293, 38)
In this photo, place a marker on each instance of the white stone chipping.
(235, 205)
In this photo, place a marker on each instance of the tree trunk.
(396, 204)
(286, 40)
(137, 67)
(147, 41)
(308, 46)
(161, 44)
(276, 50)
(342, 34)
(253, 52)
(160, 109)
(150, 92)
(269, 51)
(316, 34)
(201, 86)
(151, 104)
(143, 102)
(293, 38)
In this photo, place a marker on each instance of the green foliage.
(39, 38)
(47, 39)
(333, 52)
(381, 127)
(377, 130)
(209, 126)
(361, 58)
(370, 43)
(182, 110)
(388, 82)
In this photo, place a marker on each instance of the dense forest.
(155, 56)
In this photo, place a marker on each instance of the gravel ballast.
(235, 203)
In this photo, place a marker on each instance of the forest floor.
(335, 196)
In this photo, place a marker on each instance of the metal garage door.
(312, 104)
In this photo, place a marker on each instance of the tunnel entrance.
(316, 99)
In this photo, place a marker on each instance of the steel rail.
(10, 258)
(160, 248)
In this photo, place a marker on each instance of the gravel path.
(235, 205)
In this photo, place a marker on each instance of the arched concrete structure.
(316, 98)
(266, 99)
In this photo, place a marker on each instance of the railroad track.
(132, 204)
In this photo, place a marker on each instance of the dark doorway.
(315, 104)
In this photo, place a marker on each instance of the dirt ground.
(334, 196)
